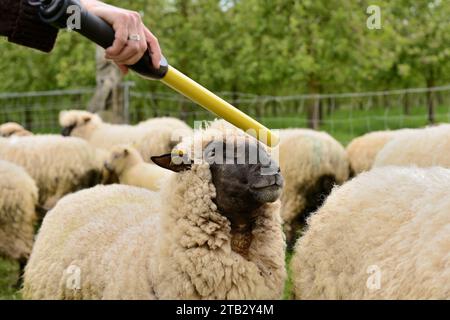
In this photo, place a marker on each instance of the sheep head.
(10, 129)
(243, 173)
(121, 158)
(78, 123)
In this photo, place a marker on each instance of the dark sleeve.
(21, 24)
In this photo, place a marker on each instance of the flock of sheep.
(118, 219)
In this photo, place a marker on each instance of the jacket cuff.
(30, 31)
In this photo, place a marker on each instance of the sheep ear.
(179, 165)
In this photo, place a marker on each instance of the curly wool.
(151, 138)
(175, 245)
(362, 151)
(421, 147)
(59, 165)
(18, 200)
(392, 220)
(10, 129)
(306, 156)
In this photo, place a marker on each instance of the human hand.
(132, 38)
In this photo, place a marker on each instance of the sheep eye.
(210, 155)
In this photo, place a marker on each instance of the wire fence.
(342, 115)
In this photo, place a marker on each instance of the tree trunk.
(108, 99)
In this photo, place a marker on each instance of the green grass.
(9, 272)
(287, 295)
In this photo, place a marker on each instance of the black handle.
(54, 12)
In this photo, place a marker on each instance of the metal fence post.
(126, 100)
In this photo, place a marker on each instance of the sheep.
(174, 123)
(150, 140)
(213, 232)
(127, 164)
(18, 201)
(421, 147)
(383, 235)
(58, 165)
(13, 129)
(362, 151)
(311, 163)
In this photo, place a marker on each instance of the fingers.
(154, 48)
(125, 51)
(119, 43)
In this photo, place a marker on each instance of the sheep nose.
(271, 168)
(65, 131)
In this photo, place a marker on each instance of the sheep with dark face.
(213, 232)
(312, 163)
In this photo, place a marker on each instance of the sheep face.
(78, 123)
(121, 158)
(117, 161)
(244, 175)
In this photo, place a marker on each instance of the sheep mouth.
(268, 190)
(275, 180)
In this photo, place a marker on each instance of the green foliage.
(272, 47)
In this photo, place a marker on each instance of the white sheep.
(127, 164)
(59, 165)
(383, 235)
(18, 201)
(214, 232)
(421, 147)
(311, 163)
(363, 150)
(10, 129)
(174, 123)
(150, 139)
